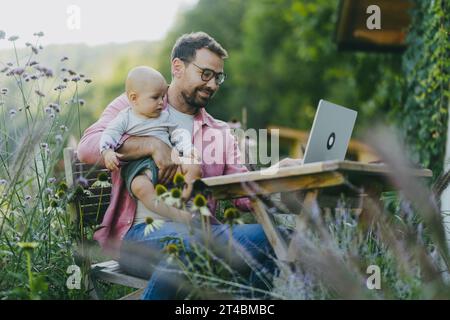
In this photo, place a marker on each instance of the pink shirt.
(220, 156)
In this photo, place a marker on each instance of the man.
(197, 62)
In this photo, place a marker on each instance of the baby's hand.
(111, 160)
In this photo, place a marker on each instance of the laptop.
(330, 133)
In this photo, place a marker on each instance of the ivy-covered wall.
(424, 102)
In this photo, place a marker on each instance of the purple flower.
(71, 72)
(76, 79)
(51, 180)
(48, 73)
(82, 102)
(60, 87)
(9, 64)
(44, 145)
(39, 93)
(27, 197)
(51, 115)
(33, 63)
(49, 190)
(18, 71)
(87, 80)
(12, 113)
(82, 181)
(65, 80)
(3, 182)
(48, 110)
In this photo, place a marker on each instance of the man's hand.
(111, 159)
(287, 162)
(161, 154)
(140, 147)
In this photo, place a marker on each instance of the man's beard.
(194, 100)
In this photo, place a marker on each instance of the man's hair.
(186, 46)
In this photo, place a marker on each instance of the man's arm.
(234, 164)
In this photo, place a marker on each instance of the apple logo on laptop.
(331, 140)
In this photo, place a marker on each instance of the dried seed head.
(231, 214)
(200, 201)
(160, 189)
(102, 176)
(149, 220)
(178, 179)
(175, 193)
(171, 248)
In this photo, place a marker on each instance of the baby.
(145, 88)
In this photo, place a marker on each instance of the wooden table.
(326, 180)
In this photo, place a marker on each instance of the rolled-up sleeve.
(88, 149)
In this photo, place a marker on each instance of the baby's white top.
(163, 128)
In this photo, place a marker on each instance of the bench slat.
(110, 271)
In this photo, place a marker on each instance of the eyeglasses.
(208, 74)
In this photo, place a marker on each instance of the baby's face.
(149, 101)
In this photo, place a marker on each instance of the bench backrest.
(88, 209)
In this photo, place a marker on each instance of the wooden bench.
(87, 212)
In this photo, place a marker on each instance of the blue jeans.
(143, 256)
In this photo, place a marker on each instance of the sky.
(88, 21)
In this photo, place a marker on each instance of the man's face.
(194, 90)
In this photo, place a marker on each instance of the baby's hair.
(139, 76)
